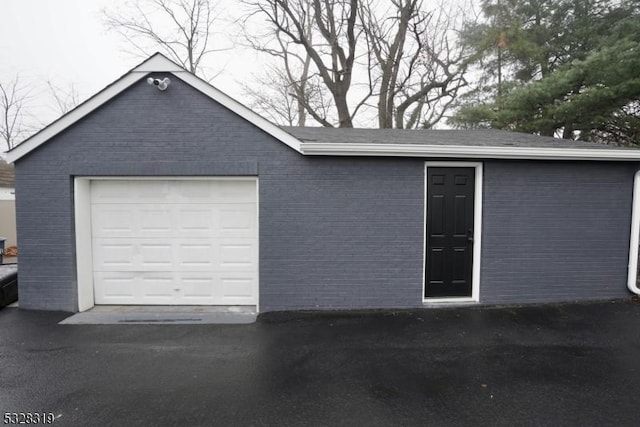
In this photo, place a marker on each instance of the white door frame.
(84, 246)
(477, 233)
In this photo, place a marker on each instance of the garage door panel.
(132, 220)
(125, 191)
(114, 288)
(238, 220)
(111, 192)
(175, 242)
(158, 285)
(110, 255)
(235, 191)
(196, 220)
(194, 191)
(154, 220)
(237, 288)
(152, 191)
(188, 255)
(116, 254)
(174, 289)
(238, 254)
(155, 255)
(197, 287)
(112, 221)
(228, 191)
(197, 255)
(206, 220)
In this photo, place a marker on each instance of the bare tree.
(14, 97)
(293, 91)
(403, 60)
(327, 34)
(65, 100)
(285, 100)
(420, 65)
(183, 29)
(271, 96)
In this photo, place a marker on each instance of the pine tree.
(567, 68)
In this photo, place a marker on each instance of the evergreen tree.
(569, 68)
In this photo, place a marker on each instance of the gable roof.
(489, 144)
(6, 175)
(156, 63)
(477, 143)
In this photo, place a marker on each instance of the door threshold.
(163, 315)
(449, 302)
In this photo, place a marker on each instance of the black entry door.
(449, 217)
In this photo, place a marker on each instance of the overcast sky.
(60, 39)
(65, 41)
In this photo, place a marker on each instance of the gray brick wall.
(555, 231)
(342, 232)
(334, 232)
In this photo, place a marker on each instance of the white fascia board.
(470, 152)
(235, 106)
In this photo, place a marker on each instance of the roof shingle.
(472, 138)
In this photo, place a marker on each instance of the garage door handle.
(470, 236)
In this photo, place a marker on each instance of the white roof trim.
(156, 63)
(470, 152)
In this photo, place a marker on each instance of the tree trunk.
(384, 118)
(344, 115)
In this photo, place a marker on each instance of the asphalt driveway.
(544, 365)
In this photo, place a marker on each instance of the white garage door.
(175, 242)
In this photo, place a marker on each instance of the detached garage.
(183, 196)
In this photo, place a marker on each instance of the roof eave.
(456, 151)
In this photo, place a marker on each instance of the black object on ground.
(8, 284)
